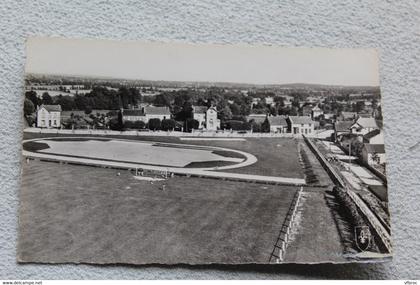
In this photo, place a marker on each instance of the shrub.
(154, 124)
(168, 124)
(139, 125)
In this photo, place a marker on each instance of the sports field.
(79, 213)
(275, 156)
(90, 214)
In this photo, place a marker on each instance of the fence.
(383, 234)
(283, 239)
(226, 133)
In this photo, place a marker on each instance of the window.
(309, 130)
(49, 123)
(306, 131)
(55, 122)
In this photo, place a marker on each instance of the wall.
(390, 26)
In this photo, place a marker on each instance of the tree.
(190, 124)
(154, 124)
(225, 114)
(31, 95)
(168, 124)
(88, 110)
(46, 99)
(120, 119)
(66, 102)
(265, 126)
(163, 99)
(255, 127)
(28, 107)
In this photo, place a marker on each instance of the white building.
(316, 112)
(269, 100)
(49, 116)
(374, 137)
(146, 113)
(362, 126)
(278, 124)
(373, 153)
(212, 122)
(301, 125)
(199, 114)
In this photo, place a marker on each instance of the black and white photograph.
(174, 153)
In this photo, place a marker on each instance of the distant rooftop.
(277, 120)
(52, 108)
(300, 120)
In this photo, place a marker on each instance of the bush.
(128, 124)
(238, 125)
(168, 124)
(154, 124)
(139, 125)
(190, 124)
(349, 208)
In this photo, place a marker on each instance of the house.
(341, 128)
(269, 100)
(146, 113)
(49, 116)
(301, 125)
(373, 153)
(362, 126)
(212, 122)
(347, 116)
(374, 137)
(278, 124)
(257, 118)
(255, 102)
(199, 114)
(316, 112)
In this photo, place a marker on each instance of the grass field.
(276, 156)
(89, 214)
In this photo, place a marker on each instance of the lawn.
(72, 213)
(276, 156)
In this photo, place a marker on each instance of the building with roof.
(362, 126)
(316, 112)
(257, 118)
(347, 116)
(373, 153)
(278, 124)
(341, 128)
(301, 125)
(206, 117)
(48, 116)
(146, 113)
(374, 137)
(199, 114)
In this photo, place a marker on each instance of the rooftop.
(372, 134)
(277, 121)
(367, 122)
(52, 108)
(374, 148)
(343, 126)
(199, 109)
(300, 120)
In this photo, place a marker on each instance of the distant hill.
(71, 79)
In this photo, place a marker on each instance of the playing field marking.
(200, 172)
(249, 158)
(212, 139)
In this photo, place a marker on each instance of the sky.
(202, 62)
